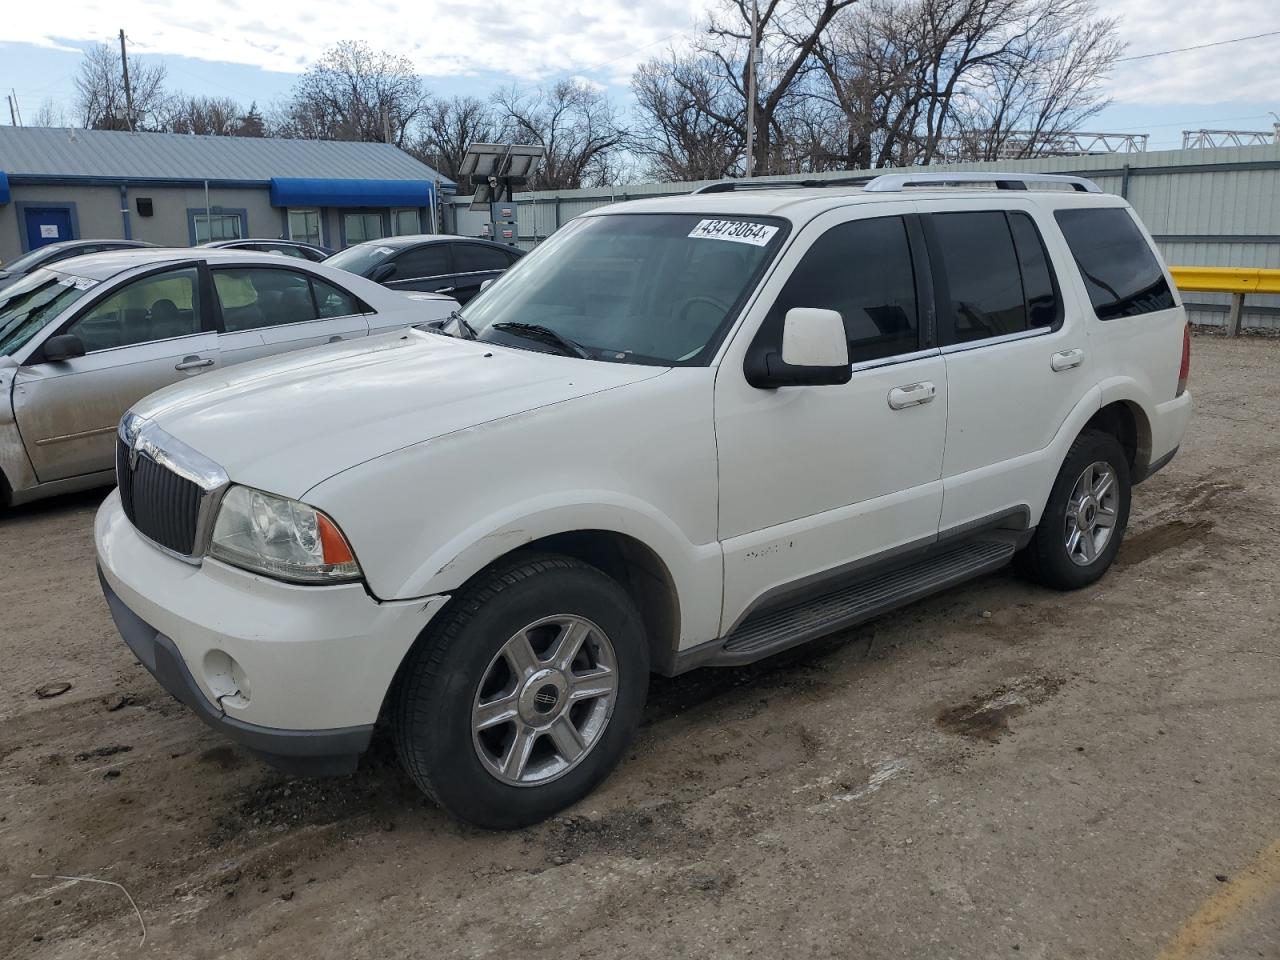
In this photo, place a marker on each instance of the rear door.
(1017, 355)
(139, 336)
(265, 310)
(427, 267)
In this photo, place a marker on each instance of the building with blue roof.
(179, 190)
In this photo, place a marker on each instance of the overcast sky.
(251, 49)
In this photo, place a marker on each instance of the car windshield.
(32, 302)
(359, 259)
(646, 288)
(26, 261)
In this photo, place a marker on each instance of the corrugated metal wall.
(1217, 208)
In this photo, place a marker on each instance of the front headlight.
(281, 538)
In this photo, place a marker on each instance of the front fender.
(695, 570)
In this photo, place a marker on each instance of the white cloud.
(531, 40)
(1248, 71)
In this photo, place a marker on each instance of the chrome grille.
(167, 490)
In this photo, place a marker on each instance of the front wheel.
(525, 694)
(1084, 521)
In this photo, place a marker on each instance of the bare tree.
(208, 116)
(354, 93)
(577, 126)
(448, 128)
(49, 114)
(690, 119)
(100, 95)
(790, 30)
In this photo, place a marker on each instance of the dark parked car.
(290, 248)
(53, 252)
(436, 263)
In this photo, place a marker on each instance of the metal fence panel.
(1216, 207)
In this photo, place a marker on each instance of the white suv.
(682, 432)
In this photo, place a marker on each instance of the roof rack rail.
(730, 186)
(895, 182)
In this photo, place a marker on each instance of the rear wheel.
(525, 694)
(1084, 521)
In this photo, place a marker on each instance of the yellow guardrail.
(1227, 279)
(1236, 281)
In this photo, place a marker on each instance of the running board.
(778, 628)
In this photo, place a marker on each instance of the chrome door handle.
(1066, 359)
(911, 395)
(194, 363)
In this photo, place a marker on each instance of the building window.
(217, 226)
(304, 226)
(362, 226)
(405, 221)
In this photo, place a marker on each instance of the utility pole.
(128, 90)
(13, 105)
(13, 117)
(751, 88)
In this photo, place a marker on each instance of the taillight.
(1185, 369)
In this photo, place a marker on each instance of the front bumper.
(313, 664)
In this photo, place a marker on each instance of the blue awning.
(4, 188)
(293, 192)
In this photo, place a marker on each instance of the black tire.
(437, 688)
(1045, 559)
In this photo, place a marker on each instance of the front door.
(46, 225)
(427, 268)
(138, 338)
(814, 480)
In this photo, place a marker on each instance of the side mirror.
(65, 346)
(815, 352)
(383, 272)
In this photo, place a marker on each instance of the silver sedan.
(83, 340)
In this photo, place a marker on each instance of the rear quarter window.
(1120, 270)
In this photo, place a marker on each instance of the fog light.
(226, 679)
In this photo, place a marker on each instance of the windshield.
(32, 302)
(26, 261)
(359, 259)
(636, 287)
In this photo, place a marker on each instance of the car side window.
(428, 260)
(252, 298)
(1122, 274)
(332, 302)
(475, 257)
(862, 269)
(160, 306)
(978, 260)
(1039, 286)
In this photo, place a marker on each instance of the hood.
(286, 423)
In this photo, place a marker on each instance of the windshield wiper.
(536, 331)
(466, 331)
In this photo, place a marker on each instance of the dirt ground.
(998, 771)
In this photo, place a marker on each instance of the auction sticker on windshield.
(739, 231)
(80, 283)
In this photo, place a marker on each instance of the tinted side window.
(256, 297)
(981, 268)
(863, 270)
(157, 307)
(471, 257)
(1038, 284)
(1120, 271)
(430, 260)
